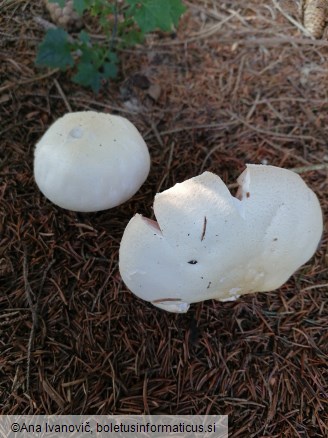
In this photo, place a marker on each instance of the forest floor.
(237, 83)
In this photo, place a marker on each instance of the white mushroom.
(208, 244)
(89, 161)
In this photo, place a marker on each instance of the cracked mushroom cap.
(208, 244)
(89, 161)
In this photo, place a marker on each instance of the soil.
(238, 82)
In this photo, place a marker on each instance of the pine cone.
(64, 17)
(314, 16)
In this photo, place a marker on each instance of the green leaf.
(91, 72)
(84, 37)
(88, 75)
(93, 54)
(156, 14)
(110, 70)
(101, 7)
(113, 58)
(61, 3)
(81, 5)
(96, 62)
(55, 50)
(133, 37)
(110, 67)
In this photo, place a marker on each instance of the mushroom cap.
(208, 244)
(90, 161)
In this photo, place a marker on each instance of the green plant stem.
(114, 31)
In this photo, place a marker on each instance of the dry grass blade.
(304, 29)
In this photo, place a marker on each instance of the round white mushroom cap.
(90, 161)
(208, 244)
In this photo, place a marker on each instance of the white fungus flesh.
(208, 244)
(90, 161)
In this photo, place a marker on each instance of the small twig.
(211, 152)
(28, 289)
(292, 20)
(44, 23)
(45, 273)
(114, 31)
(29, 81)
(251, 41)
(157, 134)
(316, 286)
(310, 168)
(34, 310)
(29, 354)
(169, 162)
(28, 292)
(62, 94)
(13, 320)
(47, 26)
(239, 75)
(214, 126)
(272, 133)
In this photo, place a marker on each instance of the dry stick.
(8, 315)
(310, 168)
(47, 26)
(211, 152)
(239, 75)
(272, 133)
(315, 286)
(167, 172)
(214, 126)
(62, 94)
(157, 134)
(12, 321)
(249, 41)
(28, 292)
(34, 310)
(283, 150)
(44, 23)
(28, 81)
(292, 20)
